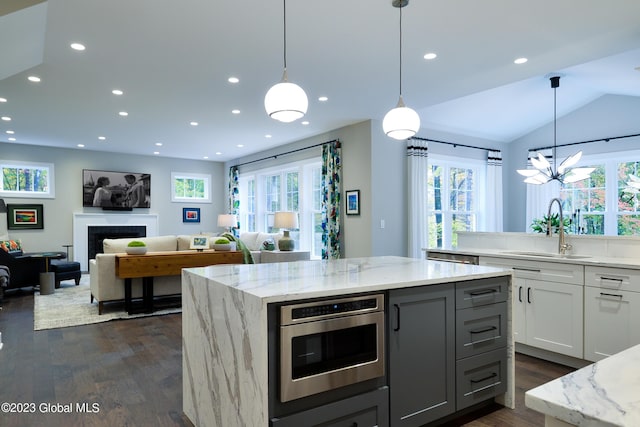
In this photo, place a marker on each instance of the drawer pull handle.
(397, 307)
(531, 270)
(604, 294)
(483, 388)
(520, 293)
(488, 377)
(487, 329)
(529, 295)
(613, 279)
(483, 293)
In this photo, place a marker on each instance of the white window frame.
(195, 176)
(49, 194)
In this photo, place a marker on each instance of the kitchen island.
(225, 323)
(602, 394)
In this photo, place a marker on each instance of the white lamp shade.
(227, 220)
(286, 101)
(402, 122)
(287, 220)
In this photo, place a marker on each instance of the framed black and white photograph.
(199, 242)
(24, 217)
(353, 202)
(190, 214)
(116, 190)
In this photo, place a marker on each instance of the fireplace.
(96, 234)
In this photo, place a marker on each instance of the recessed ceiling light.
(6, 118)
(268, 136)
(323, 99)
(205, 157)
(193, 123)
(3, 99)
(520, 61)
(34, 79)
(233, 79)
(156, 152)
(158, 144)
(117, 92)
(102, 138)
(12, 139)
(240, 145)
(10, 132)
(235, 111)
(80, 145)
(218, 153)
(305, 123)
(430, 55)
(77, 46)
(123, 113)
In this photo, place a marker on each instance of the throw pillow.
(11, 246)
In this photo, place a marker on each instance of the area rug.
(69, 306)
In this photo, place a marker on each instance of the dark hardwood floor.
(132, 371)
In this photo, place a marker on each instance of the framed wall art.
(353, 202)
(190, 214)
(199, 242)
(24, 217)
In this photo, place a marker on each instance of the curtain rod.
(455, 144)
(275, 156)
(585, 142)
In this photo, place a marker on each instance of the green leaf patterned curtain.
(331, 175)
(234, 196)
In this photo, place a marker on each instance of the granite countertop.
(535, 255)
(604, 393)
(311, 279)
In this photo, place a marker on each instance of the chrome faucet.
(563, 247)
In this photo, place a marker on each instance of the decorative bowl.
(222, 246)
(136, 250)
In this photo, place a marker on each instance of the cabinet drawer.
(481, 329)
(475, 293)
(539, 270)
(481, 377)
(620, 279)
(368, 409)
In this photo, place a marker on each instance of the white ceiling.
(172, 59)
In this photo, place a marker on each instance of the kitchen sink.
(546, 254)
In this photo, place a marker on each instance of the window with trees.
(20, 179)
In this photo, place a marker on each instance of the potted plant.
(222, 244)
(136, 247)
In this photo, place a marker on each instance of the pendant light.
(286, 101)
(544, 172)
(401, 122)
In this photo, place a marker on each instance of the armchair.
(24, 270)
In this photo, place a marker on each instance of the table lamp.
(228, 221)
(286, 221)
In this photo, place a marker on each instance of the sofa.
(254, 241)
(107, 287)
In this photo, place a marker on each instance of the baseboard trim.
(551, 356)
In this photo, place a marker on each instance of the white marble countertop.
(312, 279)
(606, 393)
(574, 258)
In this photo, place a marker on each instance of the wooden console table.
(155, 264)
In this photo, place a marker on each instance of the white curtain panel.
(539, 196)
(494, 191)
(418, 168)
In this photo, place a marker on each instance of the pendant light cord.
(400, 48)
(555, 121)
(284, 7)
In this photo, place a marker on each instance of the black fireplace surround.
(96, 235)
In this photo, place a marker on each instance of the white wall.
(68, 164)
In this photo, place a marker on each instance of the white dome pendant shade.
(401, 122)
(286, 101)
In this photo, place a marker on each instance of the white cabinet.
(547, 304)
(612, 311)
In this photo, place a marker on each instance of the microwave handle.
(397, 308)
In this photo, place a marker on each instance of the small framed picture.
(199, 242)
(190, 214)
(353, 202)
(23, 217)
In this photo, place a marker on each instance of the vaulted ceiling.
(173, 59)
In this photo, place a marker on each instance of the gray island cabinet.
(442, 341)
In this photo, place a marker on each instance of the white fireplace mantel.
(82, 222)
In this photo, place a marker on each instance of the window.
(190, 187)
(454, 195)
(604, 204)
(297, 189)
(27, 179)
